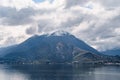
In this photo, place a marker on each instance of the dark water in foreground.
(58, 72)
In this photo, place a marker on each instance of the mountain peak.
(60, 33)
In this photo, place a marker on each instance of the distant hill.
(112, 52)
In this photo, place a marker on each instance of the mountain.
(113, 52)
(6, 50)
(57, 47)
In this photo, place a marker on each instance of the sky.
(97, 22)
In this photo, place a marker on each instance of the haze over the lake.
(97, 22)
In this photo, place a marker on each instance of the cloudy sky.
(97, 22)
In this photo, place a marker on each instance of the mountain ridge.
(62, 48)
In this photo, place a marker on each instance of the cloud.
(71, 3)
(10, 16)
(10, 41)
(32, 30)
(104, 36)
(13, 40)
(94, 21)
(45, 25)
(110, 3)
(18, 4)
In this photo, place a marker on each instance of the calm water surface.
(58, 72)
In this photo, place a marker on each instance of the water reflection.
(58, 72)
(46, 72)
(8, 74)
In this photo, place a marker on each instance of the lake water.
(58, 72)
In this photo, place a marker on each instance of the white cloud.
(94, 21)
(109, 3)
(15, 34)
(18, 4)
